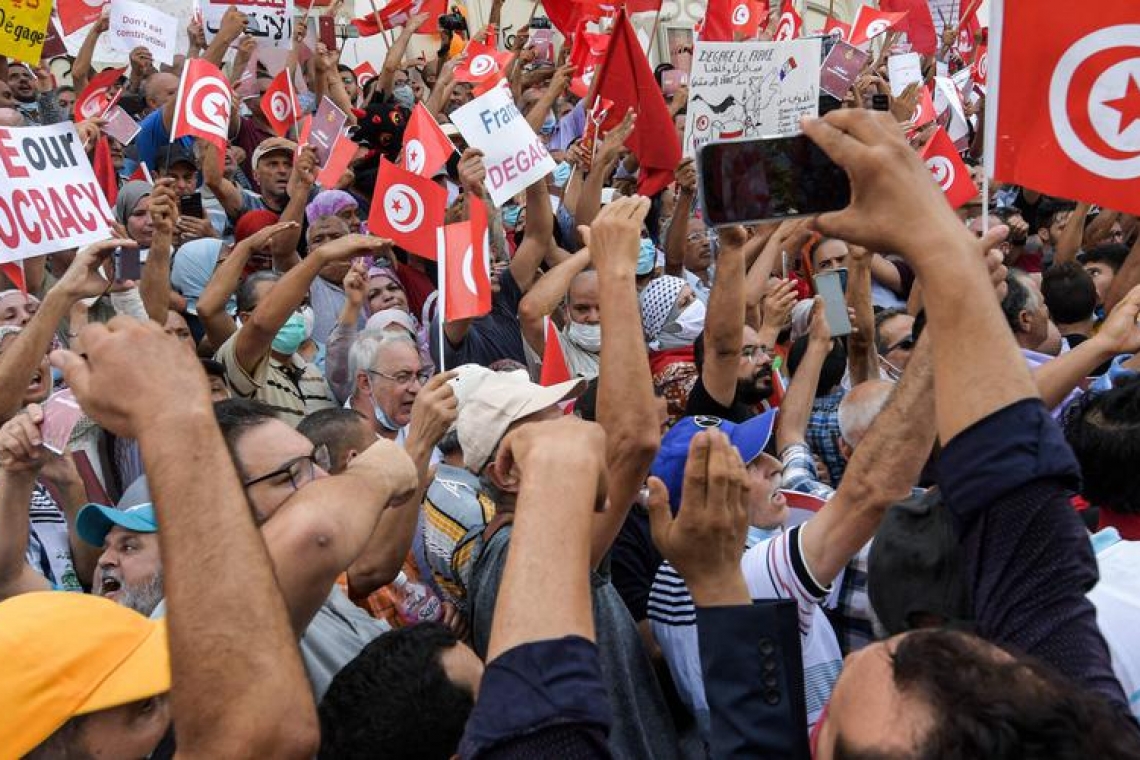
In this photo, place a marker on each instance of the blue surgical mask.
(646, 257)
(381, 416)
(404, 95)
(511, 215)
(548, 124)
(562, 174)
(291, 335)
(756, 535)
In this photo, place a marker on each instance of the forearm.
(155, 284)
(795, 409)
(336, 358)
(541, 108)
(223, 283)
(1127, 278)
(284, 251)
(625, 405)
(81, 69)
(589, 201)
(677, 238)
(1057, 377)
(539, 236)
(760, 270)
(22, 358)
(1099, 228)
(223, 189)
(548, 291)
(259, 697)
(862, 356)
(525, 610)
(216, 50)
(282, 300)
(1069, 241)
(393, 60)
(15, 497)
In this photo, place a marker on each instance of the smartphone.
(880, 102)
(191, 205)
(748, 181)
(842, 278)
(829, 285)
(128, 266)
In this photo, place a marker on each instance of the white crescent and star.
(942, 170)
(208, 106)
(403, 208)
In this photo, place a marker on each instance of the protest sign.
(904, 70)
(514, 155)
(49, 197)
(841, 68)
(270, 21)
(133, 24)
(120, 125)
(751, 89)
(23, 29)
(328, 124)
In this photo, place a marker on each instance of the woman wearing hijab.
(131, 212)
(672, 317)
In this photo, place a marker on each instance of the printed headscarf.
(657, 301)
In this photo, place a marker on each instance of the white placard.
(133, 24)
(751, 89)
(513, 154)
(49, 198)
(903, 70)
(270, 21)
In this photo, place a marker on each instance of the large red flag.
(627, 80)
(790, 25)
(948, 169)
(918, 24)
(104, 167)
(341, 155)
(870, 23)
(95, 98)
(1067, 115)
(718, 21)
(279, 103)
(396, 14)
(202, 106)
(587, 54)
(464, 275)
(566, 15)
(407, 208)
(76, 14)
(426, 147)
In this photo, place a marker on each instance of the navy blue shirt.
(1007, 482)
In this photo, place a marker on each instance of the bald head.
(859, 408)
(160, 88)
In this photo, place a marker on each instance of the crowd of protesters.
(298, 517)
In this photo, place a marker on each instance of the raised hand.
(304, 174)
(356, 285)
(163, 207)
(133, 376)
(21, 443)
(567, 441)
(348, 246)
(705, 540)
(434, 410)
(472, 172)
(82, 278)
(778, 303)
(614, 239)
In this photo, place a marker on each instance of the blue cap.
(134, 513)
(749, 438)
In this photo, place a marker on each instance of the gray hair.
(859, 408)
(362, 355)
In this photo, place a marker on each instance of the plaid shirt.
(823, 433)
(852, 617)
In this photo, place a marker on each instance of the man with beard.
(735, 370)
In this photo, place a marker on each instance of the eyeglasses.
(754, 353)
(906, 344)
(300, 470)
(405, 377)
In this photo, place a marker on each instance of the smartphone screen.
(127, 264)
(191, 205)
(880, 102)
(747, 181)
(829, 285)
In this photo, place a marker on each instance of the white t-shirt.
(774, 569)
(1117, 601)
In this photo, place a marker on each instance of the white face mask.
(585, 337)
(690, 322)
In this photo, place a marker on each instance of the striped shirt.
(49, 550)
(292, 390)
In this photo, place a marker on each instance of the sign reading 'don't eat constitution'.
(513, 154)
(49, 199)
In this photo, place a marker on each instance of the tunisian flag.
(396, 14)
(870, 23)
(554, 370)
(279, 104)
(948, 169)
(627, 80)
(407, 208)
(465, 266)
(202, 106)
(918, 24)
(1065, 101)
(94, 99)
(483, 66)
(426, 147)
(790, 25)
(718, 22)
(76, 14)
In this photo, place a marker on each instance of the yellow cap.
(70, 654)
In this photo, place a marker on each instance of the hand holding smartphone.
(830, 285)
(128, 265)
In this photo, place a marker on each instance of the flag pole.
(380, 24)
(441, 302)
(653, 35)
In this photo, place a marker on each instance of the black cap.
(176, 155)
(916, 567)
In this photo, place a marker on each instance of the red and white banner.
(465, 267)
(948, 169)
(50, 199)
(96, 96)
(968, 28)
(514, 155)
(203, 103)
(1067, 97)
(407, 208)
(870, 23)
(426, 147)
(279, 104)
(790, 24)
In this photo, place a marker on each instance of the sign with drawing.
(751, 89)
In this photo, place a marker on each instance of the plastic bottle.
(415, 603)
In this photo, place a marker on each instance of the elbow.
(529, 310)
(635, 448)
(293, 732)
(366, 575)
